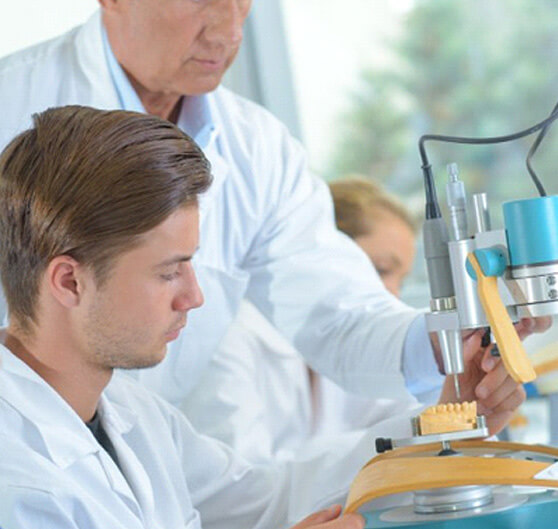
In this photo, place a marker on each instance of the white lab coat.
(54, 474)
(257, 398)
(267, 230)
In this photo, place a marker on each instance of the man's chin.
(202, 87)
(147, 362)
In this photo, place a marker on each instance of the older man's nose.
(226, 22)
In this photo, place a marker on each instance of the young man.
(98, 227)
(266, 223)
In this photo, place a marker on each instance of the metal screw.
(415, 424)
(550, 280)
(553, 294)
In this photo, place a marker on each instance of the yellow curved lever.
(513, 354)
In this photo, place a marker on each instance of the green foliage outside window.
(469, 68)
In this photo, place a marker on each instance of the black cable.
(533, 150)
(484, 141)
(433, 210)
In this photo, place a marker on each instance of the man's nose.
(190, 295)
(226, 22)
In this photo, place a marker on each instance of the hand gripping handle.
(511, 349)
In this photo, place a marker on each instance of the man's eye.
(170, 277)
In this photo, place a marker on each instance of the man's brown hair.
(88, 183)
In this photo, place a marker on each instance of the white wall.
(26, 22)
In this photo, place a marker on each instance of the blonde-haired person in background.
(380, 224)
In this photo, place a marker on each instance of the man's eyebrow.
(177, 259)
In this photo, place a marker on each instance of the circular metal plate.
(502, 502)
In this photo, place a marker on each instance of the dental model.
(445, 418)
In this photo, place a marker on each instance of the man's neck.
(165, 106)
(78, 383)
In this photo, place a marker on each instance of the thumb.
(319, 517)
(347, 521)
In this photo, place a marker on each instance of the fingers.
(498, 421)
(320, 517)
(497, 385)
(543, 324)
(348, 521)
(501, 415)
(495, 376)
(514, 400)
(500, 395)
(527, 326)
(489, 361)
(329, 519)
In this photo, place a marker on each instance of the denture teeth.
(449, 417)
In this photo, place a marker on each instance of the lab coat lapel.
(118, 483)
(92, 62)
(219, 172)
(67, 440)
(134, 486)
(199, 118)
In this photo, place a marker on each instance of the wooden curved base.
(418, 468)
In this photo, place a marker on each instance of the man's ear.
(66, 279)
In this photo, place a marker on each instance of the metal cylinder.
(436, 238)
(482, 215)
(451, 345)
(452, 499)
(469, 307)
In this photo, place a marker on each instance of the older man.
(267, 227)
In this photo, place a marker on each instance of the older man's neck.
(77, 382)
(165, 106)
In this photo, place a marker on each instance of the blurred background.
(358, 82)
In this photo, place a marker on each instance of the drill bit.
(457, 388)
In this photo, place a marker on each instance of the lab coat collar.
(65, 436)
(116, 416)
(128, 98)
(207, 136)
(197, 120)
(92, 63)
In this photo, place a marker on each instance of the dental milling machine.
(447, 476)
